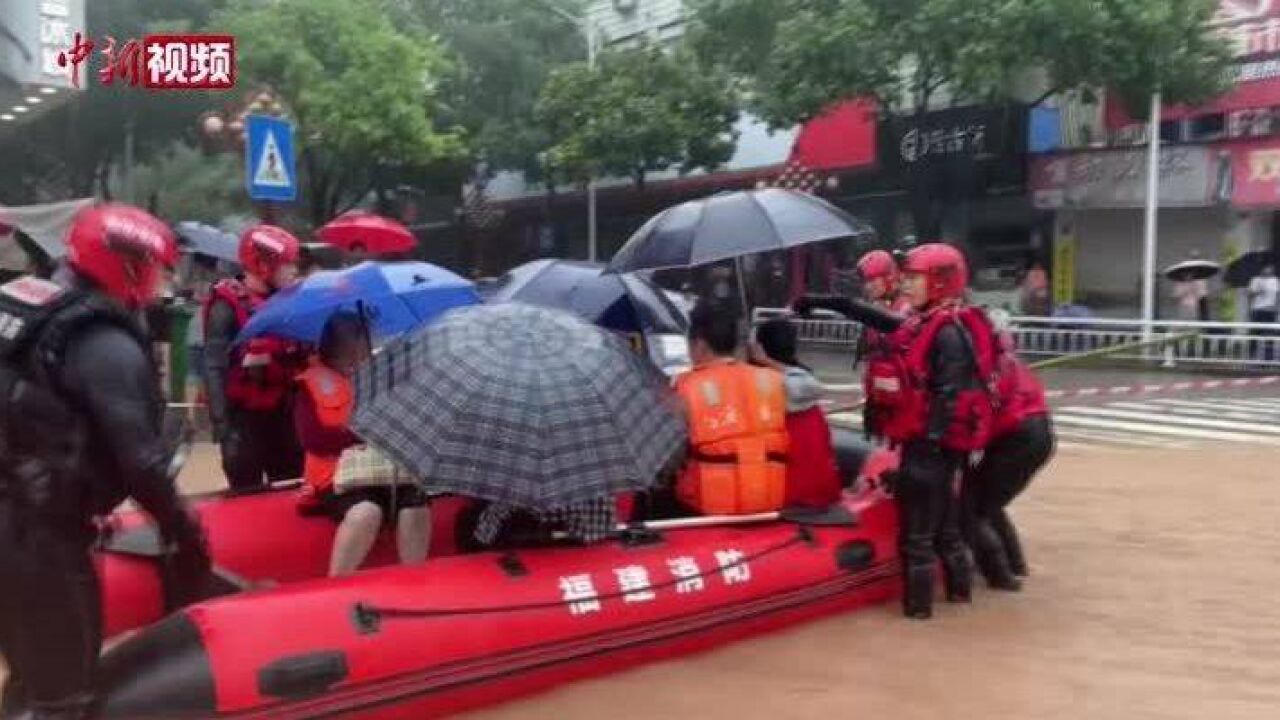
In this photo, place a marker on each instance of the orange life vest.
(333, 398)
(738, 437)
(261, 369)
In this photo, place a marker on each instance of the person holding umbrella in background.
(1264, 300)
(250, 385)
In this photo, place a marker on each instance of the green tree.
(502, 52)
(364, 94)
(798, 57)
(182, 183)
(638, 111)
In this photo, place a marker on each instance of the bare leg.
(413, 534)
(355, 538)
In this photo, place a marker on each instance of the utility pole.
(1149, 244)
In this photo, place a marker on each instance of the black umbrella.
(1192, 270)
(520, 405)
(732, 225)
(623, 303)
(1248, 267)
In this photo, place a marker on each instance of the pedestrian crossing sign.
(270, 170)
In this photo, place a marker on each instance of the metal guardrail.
(1239, 346)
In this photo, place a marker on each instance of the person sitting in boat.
(812, 477)
(737, 462)
(321, 413)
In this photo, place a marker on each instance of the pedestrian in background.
(1264, 302)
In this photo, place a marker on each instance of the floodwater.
(1153, 596)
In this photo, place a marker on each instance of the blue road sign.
(270, 171)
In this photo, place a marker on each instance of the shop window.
(1171, 131)
(1207, 127)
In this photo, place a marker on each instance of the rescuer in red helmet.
(932, 397)
(250, 384)
(881, 278)
(81, 417)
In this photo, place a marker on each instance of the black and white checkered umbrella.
(520, 405)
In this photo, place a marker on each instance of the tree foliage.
(638, 111)
(502, 52)
(182, 183)
(362, 92)
(800, 56)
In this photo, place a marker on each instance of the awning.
(1255, 175)
(45, 224)
(842, 138)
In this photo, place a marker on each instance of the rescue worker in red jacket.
(934, 402)
(1022, 442)
(249, 386)
(81, 430)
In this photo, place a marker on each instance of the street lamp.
(588, 30)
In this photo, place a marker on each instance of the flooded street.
(1152, 596)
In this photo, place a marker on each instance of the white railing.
(1204, 344)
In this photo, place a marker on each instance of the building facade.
(32, 34)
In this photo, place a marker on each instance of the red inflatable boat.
(466, 630)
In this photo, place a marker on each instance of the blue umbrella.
(209, 241)
(394, 297)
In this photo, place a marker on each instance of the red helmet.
(944, 269)
(264, 249)
(121, 248)
(879, 265)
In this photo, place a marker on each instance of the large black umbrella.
(625, 303)
(1247, 267)
(520, 405)
(733, 225)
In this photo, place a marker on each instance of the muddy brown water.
(1155, 594)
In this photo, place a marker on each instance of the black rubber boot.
(957, 574)
(1008, 535)
(917, 592)
(989, 551)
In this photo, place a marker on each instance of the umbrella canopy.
(394, 297)
(1192, 270)
(731, 225)
(623, 303)
(1248, 267)
(47, 224)
(209, 241)
(520, 405)
(360, 231)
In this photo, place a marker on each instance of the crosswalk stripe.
(1087, 420)
(846, 418)
(1096, 437)
(1231, 425)
(1267, 403)
(1231, 405)
(1214, 412)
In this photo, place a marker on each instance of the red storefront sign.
(1255, 175)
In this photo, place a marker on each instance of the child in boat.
(813, 479)
(323, 407)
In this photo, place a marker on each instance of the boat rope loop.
(368, 618)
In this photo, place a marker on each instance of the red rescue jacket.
(1020, 395)
(262, 370)
(897, 381)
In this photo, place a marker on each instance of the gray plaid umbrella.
(520, 405)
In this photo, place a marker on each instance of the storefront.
(32, 34)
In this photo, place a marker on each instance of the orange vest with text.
(332, 395)
(737, 463)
